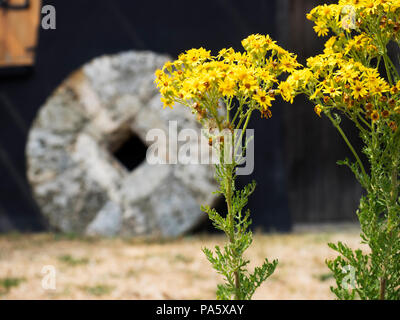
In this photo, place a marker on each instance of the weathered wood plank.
(19, 33)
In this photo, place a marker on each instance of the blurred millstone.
(80, 185)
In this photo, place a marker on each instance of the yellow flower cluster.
(204, 82)
(346, 77)
(356, 15)
(362, 28)
(336, 83)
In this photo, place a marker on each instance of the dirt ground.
(139, 269)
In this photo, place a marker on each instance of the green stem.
(337, 126)
(388, 72)
(232, 232)
(394, 68)
(395, 190)
(229, 174)
(239, 110)
(382, 290)
(243, 130)
(364, 121)
(378, 63)
(394, 193)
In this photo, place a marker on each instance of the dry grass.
(133, 269)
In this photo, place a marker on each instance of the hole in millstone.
(131, 151)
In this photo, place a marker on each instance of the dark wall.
(87, 29)
(318, 189)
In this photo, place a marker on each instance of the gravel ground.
(140, 269)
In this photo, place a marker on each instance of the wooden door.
(19, 22)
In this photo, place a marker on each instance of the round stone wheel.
(78, 180)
